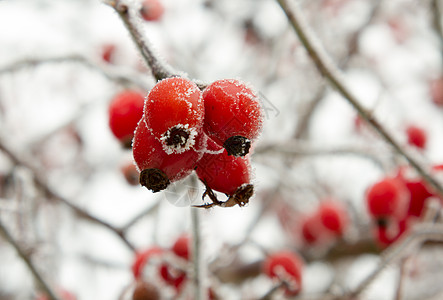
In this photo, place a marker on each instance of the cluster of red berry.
(183, 129)
(397, 202)
(168, 267)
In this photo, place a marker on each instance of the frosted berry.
(386, 199)
(152, 10)
(416, 136)
(233, 115)
(125, 110)
(157, 168)
(174, 113)
(285, 266)
(333, 216)
(141, 258)
(227, 174)
(145, 291)
(181, 247)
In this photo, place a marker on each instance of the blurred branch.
(36, 274)
(352, 50)
(327, 68)
(436, 8)
(159, 69)
(40, 182)
(196, 253)
(143, 213)
(109, 73)
(299, 149)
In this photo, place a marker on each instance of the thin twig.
(40, 183)
(109, 73)
(142, 214)
(327, 68)
(159, 69)
(35, 273)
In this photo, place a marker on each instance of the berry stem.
(35, 273)
(160, 70)
(328, 69)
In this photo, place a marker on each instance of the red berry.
(286, 266)
(108, 52)
(311, 229)
(157, 167)
(416, 136)
(172, 276)
(233, 115)
(174, 113)
(386, 235)
(141, 258)
(125, 110)
(64, 294)
(181, 247)
(130, 172)
(224, 173)
(145, 291)
(387, 198)
(152, 10)
(333, 216)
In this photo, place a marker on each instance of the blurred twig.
(40, 182)
(36, 274)
(108, 72)
(330, 71)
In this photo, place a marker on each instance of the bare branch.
(35, 273)
(327, 68)
(40, 182)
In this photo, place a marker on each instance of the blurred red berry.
(285, 266)
(145, 291)
(387, 198)
(130, 172)
(152, 10)
(233, 115)
(311, 229)
(416, 136)
(125, 110)
(108, 52)
(386, 235)
(141, 258)
(181, 247)
(157, 168)
(174, 113)
(333, 216)
(64, 294)
(173, 276)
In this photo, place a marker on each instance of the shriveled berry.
(416, 136)
(224, 173)
(141, 258)
(285, 266)
(152, 10)
(145, 291)
(174, 113)
(387, 198)
(233, 115)
(157, 168)
(125, 111)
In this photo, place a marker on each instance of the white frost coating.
(176, 149)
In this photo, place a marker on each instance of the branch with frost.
(50, 193)
(27, 260)
(111, 73)
(331, 72)
(352, 50)
(128, 15)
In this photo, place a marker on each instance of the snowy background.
(54, 116)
